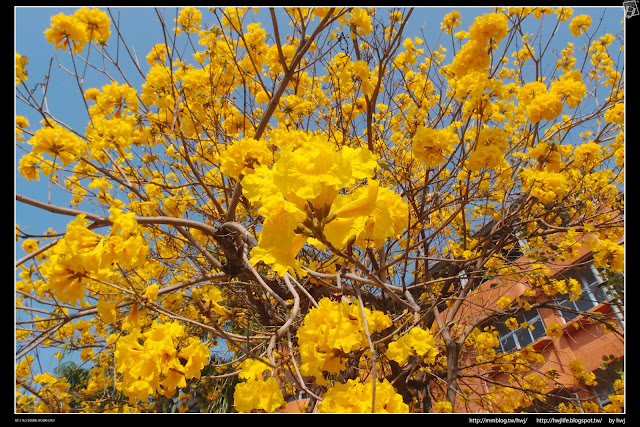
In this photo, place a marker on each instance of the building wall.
(582, 339)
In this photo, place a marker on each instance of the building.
(580, 335)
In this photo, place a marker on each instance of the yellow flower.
(579, 24)
(431, 146)
(489, 26)
(96, 24)
(107, 310)
(503, 302)
(443, 406)
(371, 212)
(296, 194)
(30, 245)
(356, 397)
(361, 21)
(158, 54)
(485, 345)
(615, 114)
(21, 64)
(587, 155)
(576, 367)
(57, 142)
(151, 361)
(113, 100)
(189, 20)
(23, 369)
(151, 292)
(253, 369)
(29, 166)
(416, 341)
(196, 353)
(554, 330)
(569, 88)
(511, 323)
(243, 156)
(609, 254)
(67, 31)
(278, 244)
(258, 394)
(471, 57)
(539, 104)
(546, 186)
(451, 20)
(212, 298)
(332, 329)
(564, 13)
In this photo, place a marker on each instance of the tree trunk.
(452, 371)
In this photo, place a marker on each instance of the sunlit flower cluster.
(158, 361)
(74, 31)
(418, 342)
(356, 397)
(257, 393)
(299, 197)
(83, 255)
(330, 332)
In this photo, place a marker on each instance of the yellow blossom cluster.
(21, 68)
(83, 255)
(615, 114)
(555, 286)
(113, 100)
(354, 148)
(484, 34)
(554, 330)
(539, 103)
(548, 156)
(188, 20)
(243, 156)
(484, 343)
(257, 393)
(359, 21)
(356, 397)
(617, 399)
(151, 362)
(450, 22)
(74, 31)
(410, 55)
(299, 198)
(510, 399)
(546, 186)
(54, 393)
(443, 406)
(576, 367)
(580, 24)
(432, 146)
(57, 142)
(330, 332)
(607, 254)
(489, 149)
(569, 88)
(416, 342)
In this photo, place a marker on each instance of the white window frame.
(588, 292)
(513, 333)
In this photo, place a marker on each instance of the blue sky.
(141, 29)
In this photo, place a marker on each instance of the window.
(606, 379)
(511, 339)
(593, 291)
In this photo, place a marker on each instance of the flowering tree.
(321, 202)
